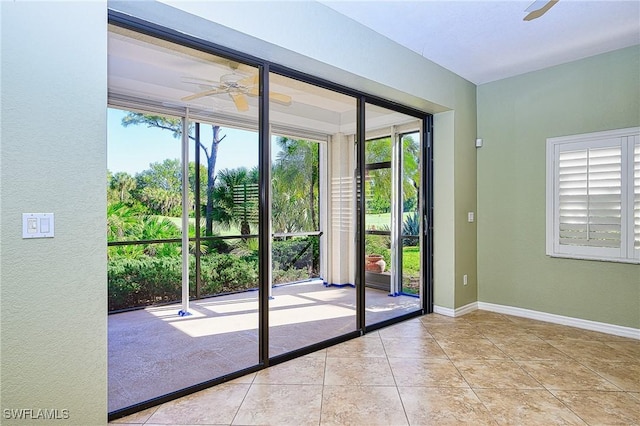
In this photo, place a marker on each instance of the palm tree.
(289, 207)
(155, 228)
(123, 183)
(296, 176)
(235, 198)
(123, 222)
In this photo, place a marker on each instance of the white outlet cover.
(38, 225)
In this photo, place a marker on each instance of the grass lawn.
(381, 219)
(411, 260)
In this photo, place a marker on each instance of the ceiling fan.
(237, 86)
(539, 8)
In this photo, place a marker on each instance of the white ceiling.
(485, 41)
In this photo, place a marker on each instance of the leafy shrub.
(151, 280)
(297, 253)
(291, 275)
(222, 273)
(143, 281)
(152, 274)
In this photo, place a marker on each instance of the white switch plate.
(38, 225)
(471, 217)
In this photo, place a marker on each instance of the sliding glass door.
(254, 214)
(183, 219)
(392, 214)
(313, 297)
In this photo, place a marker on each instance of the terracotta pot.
(375, 263)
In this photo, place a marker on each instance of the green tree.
(295, 177)
(121, 184)
(410, 172)
(159, 188)
(160, 201)
(166, 175)
(203, 182)
(378, 184)
(235, 198)
(174, 125)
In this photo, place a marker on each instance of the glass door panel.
(225, 251)
(312, 293)
(144, 266)
(391, 187)
(411, 253)
(182, 217)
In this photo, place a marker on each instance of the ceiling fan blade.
(203, 94)
(252, 80)
(273, 96)
(280, 97)
(241, 101)
(539, 11)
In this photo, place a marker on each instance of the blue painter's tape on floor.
(339, 285)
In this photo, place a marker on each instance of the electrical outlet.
(465, 279)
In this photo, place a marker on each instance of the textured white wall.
(53, 159)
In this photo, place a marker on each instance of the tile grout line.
(386, 355)
(324, 378)
(244, 397)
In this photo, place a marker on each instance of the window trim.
(627, 139)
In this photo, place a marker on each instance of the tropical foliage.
(143, 222)
(144, 218)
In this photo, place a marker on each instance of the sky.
(131, 149)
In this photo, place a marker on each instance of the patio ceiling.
(159, 76)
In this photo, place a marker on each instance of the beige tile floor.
(221, 337)
(482, 368)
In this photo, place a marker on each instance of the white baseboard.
(617, 330)
(455, 312)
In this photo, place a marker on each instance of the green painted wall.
(515, 117)
(444, 203)
(465, 175)
(53, 159)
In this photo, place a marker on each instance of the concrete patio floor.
(154, 351)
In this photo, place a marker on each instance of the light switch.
(37, 225)
(471, 217)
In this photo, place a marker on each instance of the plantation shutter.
(636, 192)
(593, 196)
(589, 197)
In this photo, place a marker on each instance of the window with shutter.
(636, 193)
(593, 196)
